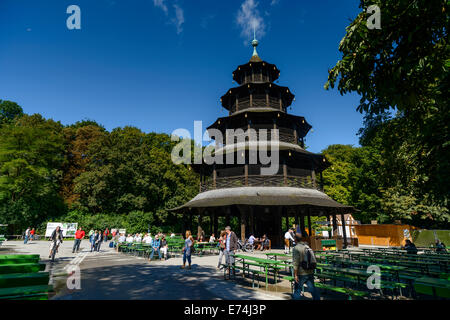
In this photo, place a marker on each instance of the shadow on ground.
(155, 282)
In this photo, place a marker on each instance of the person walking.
(79, 235)
(304, 263)
(56, 240)
(26, 235)
(231, 245)
(187, 249)
(221, 245)
(288, 238)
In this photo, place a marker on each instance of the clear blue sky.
(161, 64)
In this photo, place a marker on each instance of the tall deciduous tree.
(403, 68)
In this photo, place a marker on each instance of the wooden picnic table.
(265, 263)
(439, 287)
(354, 272)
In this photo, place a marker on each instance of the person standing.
(105, 235)
(32, 232)
(187, 249)
(27, 235)
(288, 238)
(98, 241)
(164, 248)
(231, 245)
(304, 263)
(79, 235)
(221, 247)
(93, 239)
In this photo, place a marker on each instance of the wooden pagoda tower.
(240, 190)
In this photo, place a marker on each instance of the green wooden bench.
(351, 293)
(18, 259)
(438, 288)
(23, 279)
(22, 268)
(39, 292)
(255, 273)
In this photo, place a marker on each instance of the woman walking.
(187, 249)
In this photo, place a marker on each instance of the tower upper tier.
(256, 88)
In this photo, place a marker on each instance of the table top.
(434, 282)
(357, 272)
(259, 260)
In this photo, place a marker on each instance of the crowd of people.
(158, 242)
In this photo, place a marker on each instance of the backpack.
(309, 260)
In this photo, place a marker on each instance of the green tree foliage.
(31, 156)
(9, 111)
(132, 171)
(403, 68)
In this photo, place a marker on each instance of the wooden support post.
(302, 225)
(285, 174)
(252, 221)
(200, 223)
(344, 232)
(237, 104)
(335, 227)
(267, 100)
(286, 216)
(246, 174)
(297, 220)
(243, 222)
(227, 219)
(214, 178)
(216, 224)
(309, 223)
(328, 225)
(190, 222)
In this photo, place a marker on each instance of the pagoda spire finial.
(255, 43)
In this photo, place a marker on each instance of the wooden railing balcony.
(257, 101)
(260, 181)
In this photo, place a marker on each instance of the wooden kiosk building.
(240, 190)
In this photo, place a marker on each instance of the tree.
(132, 171)
(9, 111)
(31, 157)
(403, 67)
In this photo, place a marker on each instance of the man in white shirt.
(122, 238)
(130, 239)
(138, 238)
(147, 239)
(287, 241)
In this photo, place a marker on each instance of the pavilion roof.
(263, 196)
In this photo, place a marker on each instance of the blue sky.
(161, 64)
